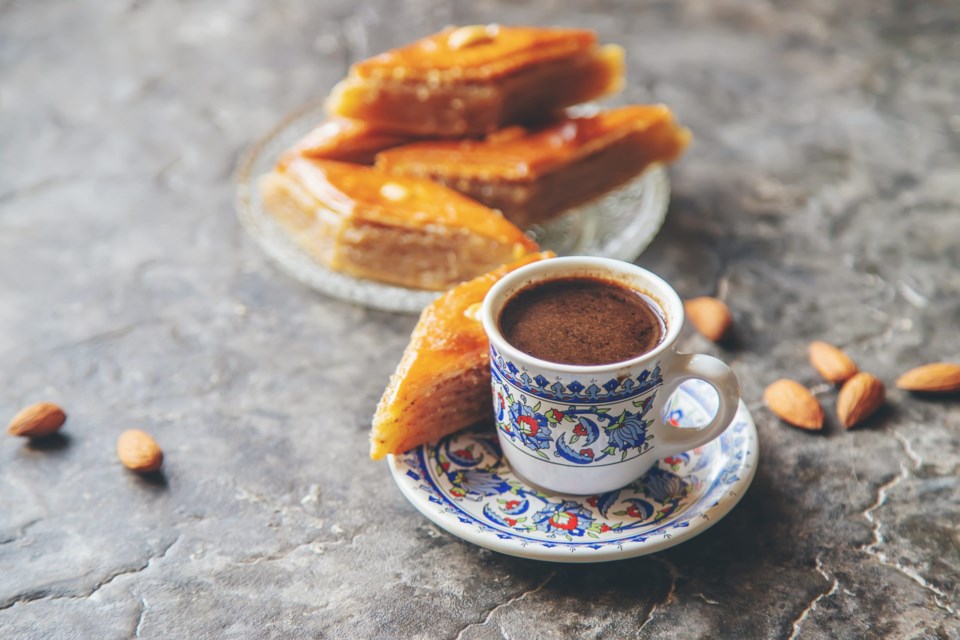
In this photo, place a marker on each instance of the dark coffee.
(582, 321)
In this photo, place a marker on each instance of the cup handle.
(696, 366)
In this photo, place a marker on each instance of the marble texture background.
(821, 199)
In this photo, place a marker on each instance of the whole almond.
(710, 316)
(792, 402)
(37, 420)
(939, 376)
(859, 398)
(138, 451)
(830, 362)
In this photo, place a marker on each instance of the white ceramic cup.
(589, 429)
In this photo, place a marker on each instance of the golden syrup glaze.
(519, 154)
(346, 140)
(363, 193)
(448, 340)
(510, 49)
(449, 325)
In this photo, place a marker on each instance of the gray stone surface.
(820, 200)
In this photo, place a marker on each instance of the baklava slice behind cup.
(442, 383)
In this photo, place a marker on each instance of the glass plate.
(619, 225)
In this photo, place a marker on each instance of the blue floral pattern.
(574, 391)
(464, 481)
(571, 434)
(529, 426)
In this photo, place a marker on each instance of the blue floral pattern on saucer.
(464, 484)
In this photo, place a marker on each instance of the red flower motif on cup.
(531, 426)
(528, 425)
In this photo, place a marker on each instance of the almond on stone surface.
(138, 451)
(938, 377)
(794, 403)
(37, 420)
(710, 316)
(859, 398)
(830, 362)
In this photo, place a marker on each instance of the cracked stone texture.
(821, 200)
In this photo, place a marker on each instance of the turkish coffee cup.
(589, 428)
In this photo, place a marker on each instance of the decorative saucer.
(465, 486)
(619, 225)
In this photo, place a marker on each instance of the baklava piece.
(532, 175)
(442, 383)
(477, 79)
(403, 231)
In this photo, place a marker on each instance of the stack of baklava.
(437, 155)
